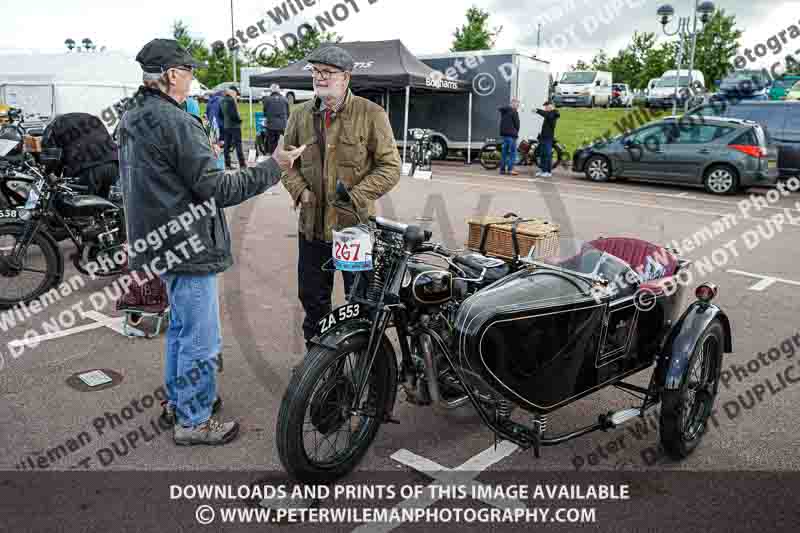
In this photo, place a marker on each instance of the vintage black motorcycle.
(30, 257)
(532, 333)
(530, 153)
(420, 151)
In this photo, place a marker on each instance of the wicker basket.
(498, 242)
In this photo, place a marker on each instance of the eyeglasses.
(324, 74)
(187, 68)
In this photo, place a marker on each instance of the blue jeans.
(546, 162)
(193, 346)
(508, 154)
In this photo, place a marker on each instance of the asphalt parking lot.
(759, 288)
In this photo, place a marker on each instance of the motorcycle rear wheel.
(317, 401)
(41, 258)
(490, 157)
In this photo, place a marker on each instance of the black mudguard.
(352, 328)
(682, 341)
(44, 232)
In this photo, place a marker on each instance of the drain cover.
(94, 380)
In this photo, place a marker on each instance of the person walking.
(167, 170)
(355, 147)
(509, 131)
(550, 117)
(232, 127)
(276, 114)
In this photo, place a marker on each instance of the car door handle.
(704, 151)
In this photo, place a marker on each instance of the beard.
(328, 92)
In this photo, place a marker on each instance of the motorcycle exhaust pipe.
(431, 376)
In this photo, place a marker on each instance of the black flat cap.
(332, 56)
(161, 54)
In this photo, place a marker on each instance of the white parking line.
(461, 475)
(608, 200)
(764, 281)
(100, 319)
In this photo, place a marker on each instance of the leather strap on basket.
(514, 224)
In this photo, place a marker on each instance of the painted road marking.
(608, 200)
(100, 319)
(612, 188)
(461, 475)
(764, 281)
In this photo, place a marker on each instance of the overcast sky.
(571, 29)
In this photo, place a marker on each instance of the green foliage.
(278, 55)
(475, 34)
(716, 47)
(581, 65)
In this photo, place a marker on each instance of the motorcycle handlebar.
(389, 225)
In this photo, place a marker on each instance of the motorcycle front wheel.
(319, 440)
(30, 275)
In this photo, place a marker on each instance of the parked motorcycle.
(530, 153)
(29, 247)
(420, 152)
(535, 334)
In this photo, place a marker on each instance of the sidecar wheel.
(314, 418)
(685, 412)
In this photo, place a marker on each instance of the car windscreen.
(672, 80)
(578, 77)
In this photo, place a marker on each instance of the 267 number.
(346, 252)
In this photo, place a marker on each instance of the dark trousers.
(233, 139)
(546, 164)
(315, 285)
(272, 139)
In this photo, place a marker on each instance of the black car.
(779, 120)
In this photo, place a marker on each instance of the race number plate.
(33, 194)
(8, 213)
(352, 251)
(339, 315)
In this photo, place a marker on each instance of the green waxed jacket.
(359, 150)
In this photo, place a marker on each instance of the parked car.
(794, 92)
(689, 87)
(621, 95)
(782, 86)
(198, 91)
(584, 88)
(753, 84)
(224, 86)
(780, 122)
(722, 154)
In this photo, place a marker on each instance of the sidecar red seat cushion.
(636, 251)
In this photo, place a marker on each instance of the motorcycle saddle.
(474, 263)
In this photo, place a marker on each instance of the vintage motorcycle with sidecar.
(533, 333)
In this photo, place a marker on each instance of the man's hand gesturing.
(285, 158)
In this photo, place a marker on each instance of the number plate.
(352, 250)
(8, 213)
(339, 315)
(33, 195)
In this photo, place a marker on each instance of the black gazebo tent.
(380, 68)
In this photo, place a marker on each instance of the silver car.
(722, 154)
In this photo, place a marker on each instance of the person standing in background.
(509, 131)
(232, 127)
(546, 138)
(276, 115)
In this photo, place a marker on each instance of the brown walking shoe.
(212, 432)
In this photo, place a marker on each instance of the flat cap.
(161, 54)
(332, 56)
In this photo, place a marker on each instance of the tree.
(600, 61)
(475, 34)
(717, 45)
(198, 50)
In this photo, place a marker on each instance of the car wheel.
(591, 105)
(598, 168)
(721, 179)
(290, 98)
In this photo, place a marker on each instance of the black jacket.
(84, 141)
(230, 113)
(168, 169)
(549, 124)
(509, 122)
(276, 111)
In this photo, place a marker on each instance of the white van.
(663, 93)
(584, 88)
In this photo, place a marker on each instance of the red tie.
(327, 119)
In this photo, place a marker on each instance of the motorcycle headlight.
(416, 134)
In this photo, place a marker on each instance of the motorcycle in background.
(420, 156)
(530, 153)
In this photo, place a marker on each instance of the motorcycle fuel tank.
(83, 205)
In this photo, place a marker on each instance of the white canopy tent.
(53, 84)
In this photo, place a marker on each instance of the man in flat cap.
(175, 194)
(352, 143)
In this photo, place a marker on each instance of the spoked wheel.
(490, 157)
(598, 168)
(685, 412)
(558, 156)
(319, 439)
(29, 275)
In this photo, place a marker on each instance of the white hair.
(155, 80)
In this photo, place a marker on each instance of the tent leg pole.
(469, 131)
(252, 125)
(405, 129)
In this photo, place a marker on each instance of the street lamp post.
(233, 51)
(665, 13)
